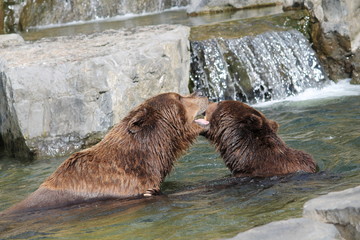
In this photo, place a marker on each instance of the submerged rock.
(299, 20)
(8, 40)
(57, 94)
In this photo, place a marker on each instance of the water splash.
(269, 66)
(341, 89)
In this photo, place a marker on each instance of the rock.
(336, 35)
(339, 208)
(294, 229)
(2, 17)
(293, 4)
(340, 16)
(8, 40)
(355, 60)
(57, 94)
(208, 6)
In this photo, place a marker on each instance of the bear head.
(248, 142)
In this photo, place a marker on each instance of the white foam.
(342, 88)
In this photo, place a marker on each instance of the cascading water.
(268, 66)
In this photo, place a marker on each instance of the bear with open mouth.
(132, 159)
(248, 142)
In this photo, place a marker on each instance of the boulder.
(339, 208)
(294, 229)
(9, 40)
(59, 95)
(336, 36)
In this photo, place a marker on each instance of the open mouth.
(200, 118)
(202, 122)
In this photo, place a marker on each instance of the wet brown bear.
(132, 159)
(248, 142)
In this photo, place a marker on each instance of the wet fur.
(248, 143)
(136, 155)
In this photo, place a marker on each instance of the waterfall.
(268, 66)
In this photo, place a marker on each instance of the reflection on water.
(201, 200)
(178, 16)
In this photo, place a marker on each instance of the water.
(200, 200)
(268, 66)
(37, 13)
(171, 16)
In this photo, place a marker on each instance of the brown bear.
(132, 159)
(248, 143)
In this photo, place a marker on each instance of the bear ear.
(137, 121)
(274, 125)
(254, 121)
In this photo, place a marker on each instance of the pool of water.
(200, 200)
(173, 16)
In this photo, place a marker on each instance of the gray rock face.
(294, 229)
(339, 37)
(57, 94)
(342, 16)
(8, 40)
(339, 208)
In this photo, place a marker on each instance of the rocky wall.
(336, 36)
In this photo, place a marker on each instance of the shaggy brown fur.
(248, 142)
(132, 159)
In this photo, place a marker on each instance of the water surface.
(200, 200)
(173, 16)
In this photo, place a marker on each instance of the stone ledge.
(339, 208)
(334, 216)
(294, 229)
